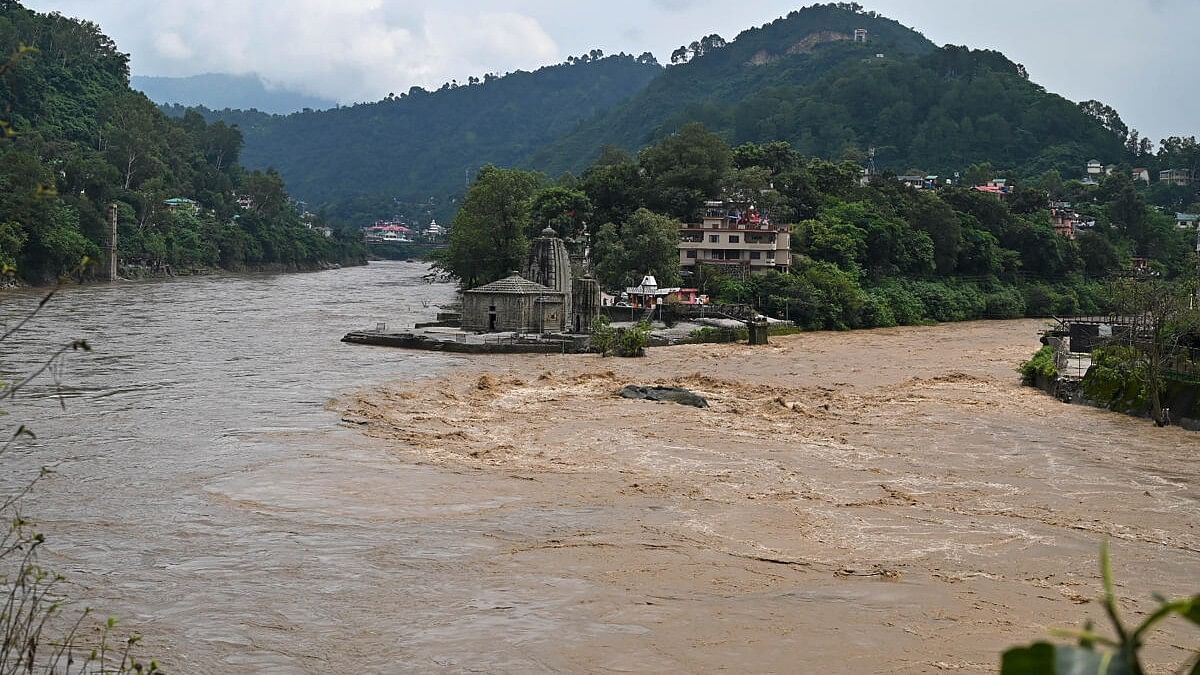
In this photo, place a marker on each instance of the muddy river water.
(254, 496)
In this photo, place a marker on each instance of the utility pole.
(110, 245)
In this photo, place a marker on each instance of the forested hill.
(803, 79)
(424, 143)
(74, 139)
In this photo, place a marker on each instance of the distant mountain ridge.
(218, 91)
(806, 79)
(832, 80)
(424, 143)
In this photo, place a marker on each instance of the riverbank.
(148, 273)
(876, 501)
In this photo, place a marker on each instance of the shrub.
(632, 342)
(603, 335)
(1042, 364)
(1004, 304)
(711, 334)
(906, 307)
(1117, 379)
(877, 312)
(1039, 300)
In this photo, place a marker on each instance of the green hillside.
(76, 139)
(803, 79)
(423, 143)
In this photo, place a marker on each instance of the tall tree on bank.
(647, 244)
(684, 170)
(488, 237)
(1168, 316)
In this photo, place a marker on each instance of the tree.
(1127, 210)
(1106, 116)
(488, 237)
(1099, 256)
(646, 244)
(615, 186)
(134, 138)
(1164, 318)
(563, 209)
(684, 170)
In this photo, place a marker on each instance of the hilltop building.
(182, 204)
(1065, 221)
(736, 236)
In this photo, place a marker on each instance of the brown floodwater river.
(254, 496)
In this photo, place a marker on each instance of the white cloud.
(1132, 54)
(349, 50)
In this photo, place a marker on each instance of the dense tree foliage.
(865, 253)
(490, 235)
(940, 110)
(646, 243)
(896, 99)
(78, 140)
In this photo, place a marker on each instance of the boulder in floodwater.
(663, 394)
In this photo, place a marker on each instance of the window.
(755, 255)
(733, 255)
(691, 254)
(714, 238)
(735, 239)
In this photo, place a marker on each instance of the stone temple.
(549, 298)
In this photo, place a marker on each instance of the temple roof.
(515, 285)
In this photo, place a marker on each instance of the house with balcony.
(1177, 177)
(735, 236)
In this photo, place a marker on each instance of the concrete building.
(1179, 177)
(1187, 221)
(1141, 174)
(735, 236)
(1065, 221)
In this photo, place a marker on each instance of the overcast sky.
(1140, 56)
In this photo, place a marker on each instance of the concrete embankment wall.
(1182, 399)
(410, 341)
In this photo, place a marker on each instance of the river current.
(254, 496)
(198, 478)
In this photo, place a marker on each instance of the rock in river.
(674, 394)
